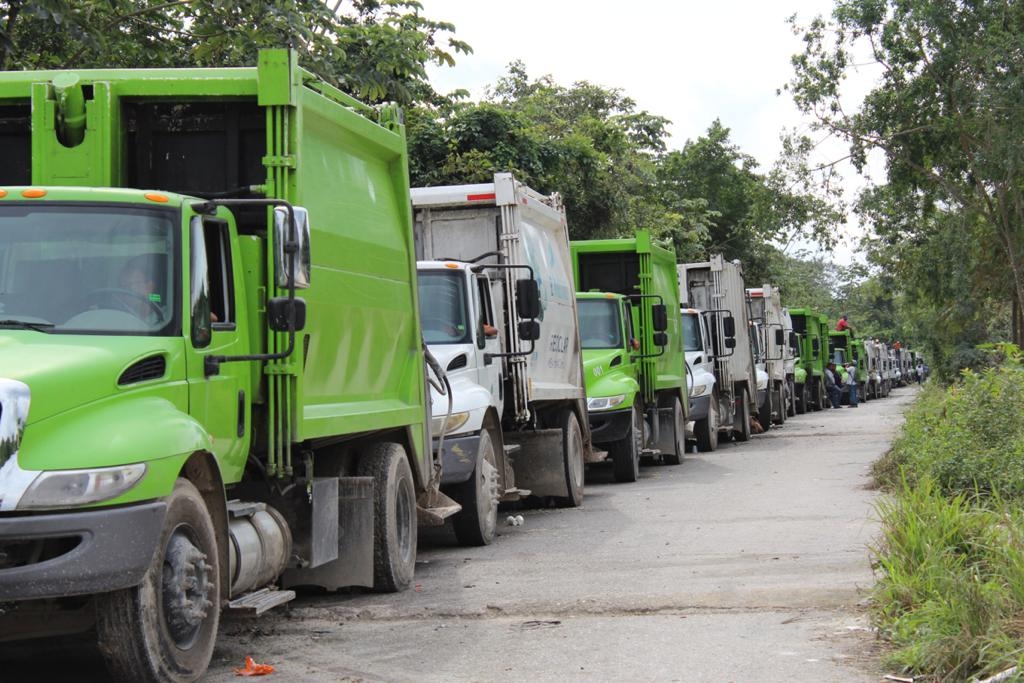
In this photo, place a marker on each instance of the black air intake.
(146, 369)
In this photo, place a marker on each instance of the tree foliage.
(374, 49)
(947, 113)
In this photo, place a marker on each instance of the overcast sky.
(691, 62)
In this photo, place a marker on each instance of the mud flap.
(538, 464)
(353, 530)
(666, 430)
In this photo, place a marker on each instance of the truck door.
(220, 402)
(489, 340)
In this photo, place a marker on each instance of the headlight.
(605, 402)
(455, 420)
(698, 390)
(69, 488)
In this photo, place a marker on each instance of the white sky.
(688, 61)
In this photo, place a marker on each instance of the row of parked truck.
(241, 355)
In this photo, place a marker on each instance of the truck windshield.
(600, 326)
(443, 307)
(691, 332)
(77, 269)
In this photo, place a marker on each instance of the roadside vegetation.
(950, 560)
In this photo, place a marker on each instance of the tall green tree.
(374, 49)
(587, 142)
(947, 113)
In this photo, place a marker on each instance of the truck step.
(511, 448)
(513, 494)
(435, 516)
(257, 602)
(597, 455)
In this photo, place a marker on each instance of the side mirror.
(527, 298)
(779, 337)
(278, 314)
(794, 342)
(729, 328)
(529, 330)
(816, 345)
(660, 339)
(282, 235)
(659, 319)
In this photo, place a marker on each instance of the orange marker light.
(156, 197)
(3, 193)
(33, 193)
(451, 265)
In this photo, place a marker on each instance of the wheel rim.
(680, 429)
(575, 445)
(187, 584)
(487, 500)
(403, 518)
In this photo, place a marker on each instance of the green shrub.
(969, 437)
(950, 588)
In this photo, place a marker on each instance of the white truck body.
(774, 327)
(716, 288)
(508, 232)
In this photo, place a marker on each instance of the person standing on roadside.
(832, 384)
(851, 372)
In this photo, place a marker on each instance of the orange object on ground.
(251, 668)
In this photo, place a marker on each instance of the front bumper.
(699, 407)
(610, 425)
(77, 553)
(459, 458)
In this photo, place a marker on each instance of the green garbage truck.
(213, 382)
(633, 358)
(810, 368)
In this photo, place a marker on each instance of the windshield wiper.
(13, 324)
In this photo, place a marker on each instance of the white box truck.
(714, 289)
(498, 309)
(774, 327)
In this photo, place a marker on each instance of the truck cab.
(700, 363)
(460, 329)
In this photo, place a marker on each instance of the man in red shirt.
(842, 324)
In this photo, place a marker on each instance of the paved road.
(746, 564)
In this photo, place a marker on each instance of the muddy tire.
(741, 421)
(706, 429)
(804, 401)
(165, 628)
(626, 451)
(572, 460)
(764, 413)
(394, 516)
(779, 399)
(478, 496)
(791, 407)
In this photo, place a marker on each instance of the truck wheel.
(479, 498)
(706, 429)
(816, 394)
(626, 451)
(678, 435)
(780, 405)
(764, 413)
(572, 459)
(394, 516)
(741, 422)
(791, 407)
(164, 629)
(804, 400)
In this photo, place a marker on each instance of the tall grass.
(950, 560)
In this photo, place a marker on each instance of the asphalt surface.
(746, 564)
